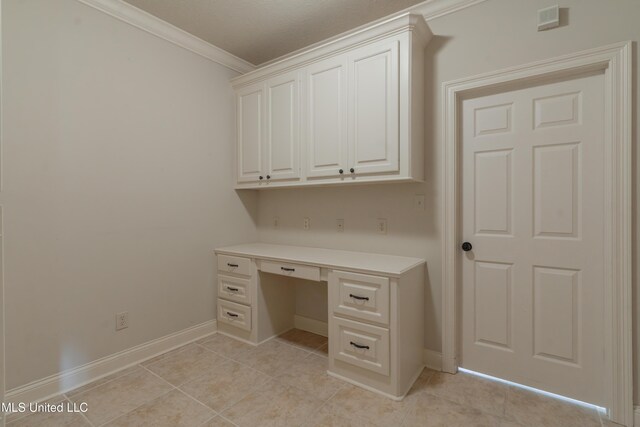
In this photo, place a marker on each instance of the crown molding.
(162, 29)
(432, 9)
(429, 9)
(393, 24)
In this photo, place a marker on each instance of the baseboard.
(636, 416)
(366, 387)
(433, 359)
(68, 380)
(311, 325)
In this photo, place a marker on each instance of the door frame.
(615, 63)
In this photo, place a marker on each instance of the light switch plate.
(340, 225)
(418, 202)
(307, 223)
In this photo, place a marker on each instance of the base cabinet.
(376, 330)
(376, 322)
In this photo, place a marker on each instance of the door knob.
(340, 171)
(352, 170)
(466, 246)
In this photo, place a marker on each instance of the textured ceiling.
(261, 30)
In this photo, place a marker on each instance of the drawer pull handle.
(229, 288)
(287, 269)
(231, 314)
(359, 297)
(232, 265)
(356, 345)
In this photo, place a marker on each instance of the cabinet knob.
(352, 170)
(261, 177)
(340, 171)
(268, 176)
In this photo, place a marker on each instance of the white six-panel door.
(250, 128)
(373, 108)
(326, 126)
(283, 137)
(533, 200)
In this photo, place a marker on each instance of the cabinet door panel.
(283, 138)
(374, 108)
(250, 133)
(326, 130)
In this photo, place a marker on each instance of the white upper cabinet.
(250, 120)
(373, 108)
(326, 118)
(283, 127)
(349, 110)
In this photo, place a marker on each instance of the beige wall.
(117, 185)
(487, 37)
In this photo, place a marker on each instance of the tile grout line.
(66, 394)
(139, 364)
(326, 402)
(216, 413)
(25, 414)
(134, 409)
(227, 419)
(81, 413)
(158, 376)
(144, 403)
(198, 401)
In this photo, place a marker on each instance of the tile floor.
(218, 381)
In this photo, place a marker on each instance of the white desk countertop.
(389, 265)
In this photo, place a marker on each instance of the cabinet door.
(250, 139)
(283, 124)
(374, 108)
(326, 119)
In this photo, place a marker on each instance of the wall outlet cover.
(382, 226)
(122, 320)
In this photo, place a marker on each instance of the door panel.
(283, 138)
(532, 206)
(493, 192)
(493, 289)
(373, 108)
(326, 117)
(556, 190)
(250, 124)
(556, 313)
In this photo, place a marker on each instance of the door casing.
(615, 61)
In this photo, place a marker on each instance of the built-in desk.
(376, 307)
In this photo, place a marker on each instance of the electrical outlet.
(276, 222)
(340, 225)
(382, 226)
(418, 202)
(122, 320)
(307, 223)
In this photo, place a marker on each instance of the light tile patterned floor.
(219, 381)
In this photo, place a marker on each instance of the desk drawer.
(362, 345)
(237, 315)
(291, 270)
(234, 289)
(234, 264)
(360, 296)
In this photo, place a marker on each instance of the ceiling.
(261, 30)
